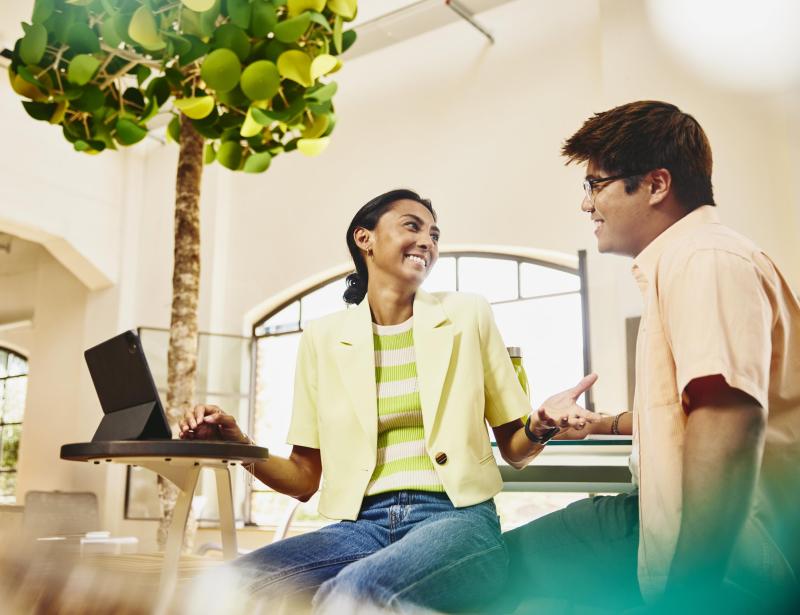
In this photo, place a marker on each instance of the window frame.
(9, 353)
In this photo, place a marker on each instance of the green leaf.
(42, 9)
(24, 88)
(39, 111)
(263, 117)
(322, 65)
(197, 51)
(260, 80)
(257, 163)
(346, 8)
(195, 108)
(221, 70)
(296, 65)
(313, 147)
(337, 34)
(90, 100)
(109, 34)
(82, 39)
(59, 113)
(348, 38)
(28, 76)
(33, 44)
(143, 30)
(292, 29)
(142, 73)
(82, 68)
(229, 36)
(198, 5)
(323, 94)
(317, 128)
(250, 127)
(174, 129)
(209, 154)
(229, 154)
(233, 98)
(299, 6)
(129, 132)
(158, 88)
(264, 19)
(181, 44)
(321, 20)
(239, 12)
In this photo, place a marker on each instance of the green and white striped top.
(403, 462)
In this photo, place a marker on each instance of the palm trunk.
(183, 336)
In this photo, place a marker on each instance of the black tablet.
(131, 406)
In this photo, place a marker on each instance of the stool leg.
(177, 529)
(227, 522)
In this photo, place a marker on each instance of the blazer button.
(441, 458)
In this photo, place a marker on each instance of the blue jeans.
(406, 550)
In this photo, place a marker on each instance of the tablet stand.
(142, 422)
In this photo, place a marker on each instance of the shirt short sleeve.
(718, 320)
(303, 429)
(505, 399)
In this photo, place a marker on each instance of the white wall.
(475, 127)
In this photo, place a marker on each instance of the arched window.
(13, 387)
(538, 305)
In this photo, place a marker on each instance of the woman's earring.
(370, 253)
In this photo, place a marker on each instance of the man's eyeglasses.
(589, 185)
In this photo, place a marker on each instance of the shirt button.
(441, 458)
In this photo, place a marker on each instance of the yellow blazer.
(465, 379)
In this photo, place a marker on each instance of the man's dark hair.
(646, 135)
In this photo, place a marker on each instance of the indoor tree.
(243, 81)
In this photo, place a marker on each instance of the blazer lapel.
(433, 344)
(355, 357)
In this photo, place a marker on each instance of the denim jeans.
(407, 550)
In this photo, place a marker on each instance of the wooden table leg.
(227, 522)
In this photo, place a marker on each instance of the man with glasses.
(716, 417)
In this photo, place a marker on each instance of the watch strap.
(547, 435)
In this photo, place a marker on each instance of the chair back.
(59, 513)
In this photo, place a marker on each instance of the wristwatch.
(547, 435)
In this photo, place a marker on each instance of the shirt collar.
(644, 265)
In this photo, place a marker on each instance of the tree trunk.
(183, 336)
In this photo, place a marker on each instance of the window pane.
(14, 399)
(17, 366)
(2, 396)
(550, 334)
(274, 391)
(288, 319)
(223, 364)
(442, 277)
(270, 508)
(3, 361)
(8, 487)
(539, 280)
(10, 447)
(495, 279)
(325, 300)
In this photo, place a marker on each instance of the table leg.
(227, 522)
(177, 529)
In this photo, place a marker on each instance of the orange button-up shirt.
(715, 304)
